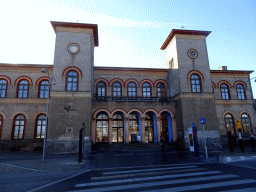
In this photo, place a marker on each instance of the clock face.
(192, 53)
(73, 48)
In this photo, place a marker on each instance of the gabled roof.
(183, 32)
(94, 27)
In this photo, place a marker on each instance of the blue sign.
(202, 120)
(193, 124)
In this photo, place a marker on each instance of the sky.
(131, 32)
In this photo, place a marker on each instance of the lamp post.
(246, 106)
(247, 109)
(44, 70)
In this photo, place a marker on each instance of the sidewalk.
(20, 162)
(225, 156)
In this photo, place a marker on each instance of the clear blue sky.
(131, 32)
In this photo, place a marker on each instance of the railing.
(133, 99)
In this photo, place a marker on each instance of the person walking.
(162, 140)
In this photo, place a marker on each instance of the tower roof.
(183, 32)
(94, 27)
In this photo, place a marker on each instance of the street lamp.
(44, 70)
(246, 106)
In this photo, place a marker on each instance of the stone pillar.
(142, 129)
(126, 130)
(110, 123)
(174, 129)
(158, 126)
(109, 91)
(93, 130)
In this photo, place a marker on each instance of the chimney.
(224, 68)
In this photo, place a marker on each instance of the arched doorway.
(133, 126)
(149, 128)
(118, 128)
(102, 128)
(166, 126)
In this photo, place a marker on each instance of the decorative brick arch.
(194, 72)
(213, 85)
(240, 82)
(3, 115)
(229, 112)
(244, 112)
(38, 114)
(151, 110)
(135, 110)
(167, 110)
(116, 80)
(161, 81)
(68, 69)
(119, 110)
(147, 81)
(44, 78)
(23, 78)
(5, 78)
(20, 113)
(101, 80)
(224, 81)
(99, 111)
(133, 81)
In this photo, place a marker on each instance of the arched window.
(149, 128)
(101, 89)
(102, 128)
(23, 89)
(3, 88)
(117, 89)
(224, 91)
(118, 128)
(1, 124)
(133, 125)
(132, 92)
(240, 91)
(19, 126)
(146, 90)
(44, 89)
(230, 123)
(72, 81)
(160, 90)
(195, 84)
(245, 124)
(41, 127)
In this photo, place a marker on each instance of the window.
(195, 84)
(72, 81)
(132, 90)
(245, 124)
(41, 127)
(240, 91)
(133, 125)
(23, 89)
(3, 88)
(102, 128)
(230, 123)
(117, 89)
(44, 89)
(101, 89)
(118, 128)
(146, 90)
(19, 127)
(224, 91)
(160, 90)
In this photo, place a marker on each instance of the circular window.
(73, 48)
(192, 53)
